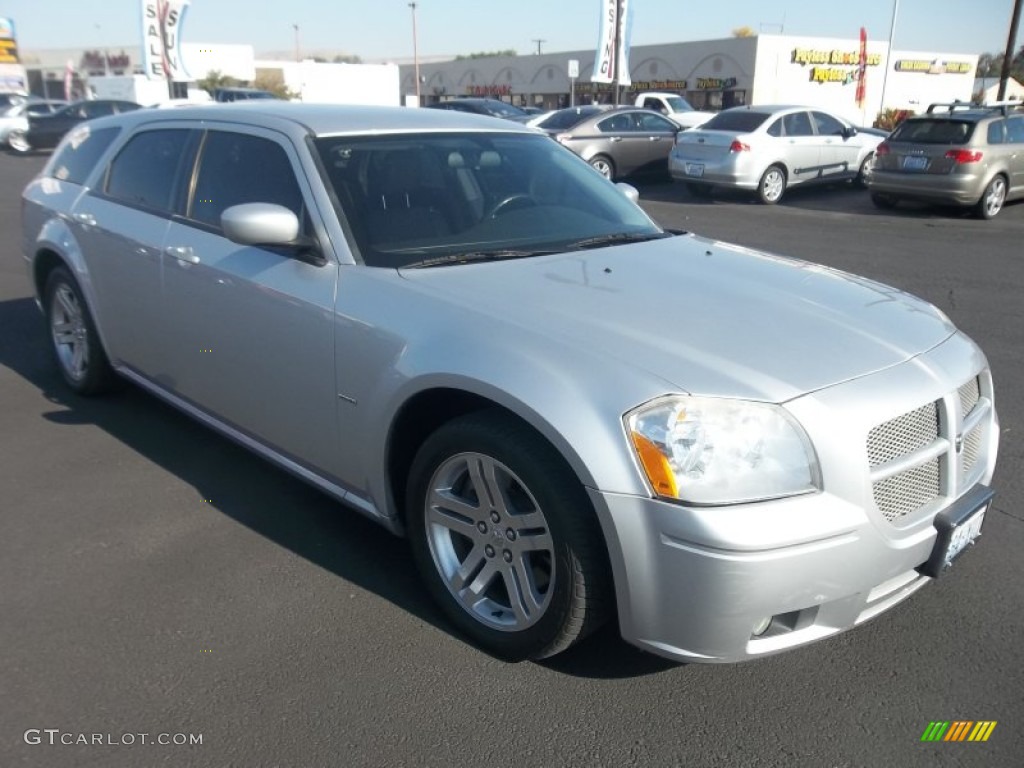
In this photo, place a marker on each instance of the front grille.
(898, 494)
(904, 434)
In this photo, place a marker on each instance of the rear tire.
(992, 199)
(867, 165)
(73, 338)
(505, 537)
(603, 165)
(772, 185)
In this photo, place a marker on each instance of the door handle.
(85, 218)
(654, 138)
(182, 253)
(615, 138)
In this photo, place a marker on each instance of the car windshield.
(501, 109)
(741, 121)
(678, 104)
(446, 198)
(567, 118)
(934, 131)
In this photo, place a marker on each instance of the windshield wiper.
(465, 258)
(617, 238)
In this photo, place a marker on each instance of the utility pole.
(296, 28)
(538, 42)
(888, 54)
(1004, 76)
(415, 53)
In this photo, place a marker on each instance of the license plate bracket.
(915, 163)
(695, 169)
(957, 529)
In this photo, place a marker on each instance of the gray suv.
(955, 154)
(452, 325)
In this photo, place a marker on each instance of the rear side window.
(1015, 130)
(79, 153)
(237, 168)
(743, 121)
(146, 171)
(934, 132)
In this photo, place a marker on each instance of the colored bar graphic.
(958, 730)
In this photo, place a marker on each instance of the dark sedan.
(623, 141)
(46, 131)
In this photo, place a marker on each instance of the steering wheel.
(518, 200)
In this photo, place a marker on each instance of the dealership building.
(715, 74)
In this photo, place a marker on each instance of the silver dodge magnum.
(456, 327)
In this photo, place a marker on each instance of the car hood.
(704, 316)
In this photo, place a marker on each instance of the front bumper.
(697, 584)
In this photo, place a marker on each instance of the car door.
(660, 133)
(618, 137)
(120, 225)
(840, 154)
(801, 147)
(1015, 147)
(251, 329)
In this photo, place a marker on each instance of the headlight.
(714, 451)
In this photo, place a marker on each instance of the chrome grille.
(903, 493)
(904, 434)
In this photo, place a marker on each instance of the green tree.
(215, 79)
(744, 32)
(347, 59)
(486, 55)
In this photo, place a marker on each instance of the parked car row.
(15, 116)
(44, 131)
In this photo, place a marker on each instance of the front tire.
(603, 165)
(867, 165)
(18, 141)
(505, 537)
(992, 199)
(75, 343)
(772, 185)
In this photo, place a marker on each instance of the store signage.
(823, 63)
(489, 90)
(8, 45)
(715, 83)
(658, 85)
(933, 67)
(93, 61)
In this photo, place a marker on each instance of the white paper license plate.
(695, 169)
(965, 534)
(915, 163)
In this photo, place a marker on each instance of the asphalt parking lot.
(156, 579)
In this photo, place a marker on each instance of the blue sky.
(382, 29)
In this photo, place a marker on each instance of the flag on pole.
(161, 34)
(625, 32)
(69, 79)
(862, 68)
(604, 59)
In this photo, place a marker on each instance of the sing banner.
(161, 39)
(604, 59)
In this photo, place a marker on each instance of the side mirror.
(269, 225)
(849, 132)
(629, 191)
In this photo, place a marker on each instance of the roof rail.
(1001, 106)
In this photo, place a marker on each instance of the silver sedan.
(454, 326)
(770, 149)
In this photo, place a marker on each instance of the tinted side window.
(146, 170)
(995, 131)
(741, 121)
(1015, 130)
(653, 123)
(827, 125)
(775, 129)
(616, 124)
(77, 156)
(97, 109)
(236, 168)
(797, 124)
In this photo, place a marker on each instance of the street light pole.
(296, 28)
(888, 54)
(415, 53)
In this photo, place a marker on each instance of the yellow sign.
(934, 67)
(851, 58)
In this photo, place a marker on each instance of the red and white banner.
(611, 61)
(862, 69)
(161, 39)
(69, 79)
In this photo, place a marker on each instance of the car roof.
(322, 119)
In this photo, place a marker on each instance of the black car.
(492, 107)
(46, 131)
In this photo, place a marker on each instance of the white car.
(15, 116)
(769, 149)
